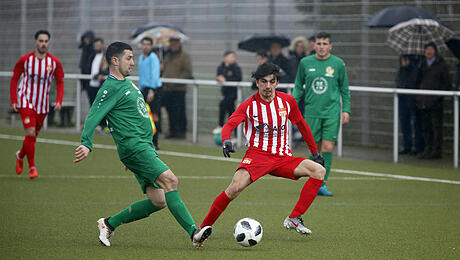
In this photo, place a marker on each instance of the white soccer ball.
(248, 232)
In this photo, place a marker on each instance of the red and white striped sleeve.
(17, 72)
(296, 118)
(235, 119)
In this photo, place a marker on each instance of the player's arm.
(105, 100)
(235, 119)
(59, 77)
(296, 118)
(298, 91)
(17, 71)
(345, 93)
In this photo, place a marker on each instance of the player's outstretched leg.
(200, 235)
(307, 194)
(105, 231)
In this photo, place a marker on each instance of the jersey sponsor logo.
(267, 130)
(319, 85)
(282, 112)
(247, 161)
(142, 108)
(329, 72)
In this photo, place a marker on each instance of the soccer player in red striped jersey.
(265, 116)
(31, 97)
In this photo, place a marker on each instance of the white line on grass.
(215, 158)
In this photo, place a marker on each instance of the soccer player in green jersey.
(325, 79)
(121, 102)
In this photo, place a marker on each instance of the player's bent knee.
(30, 131)
(234, 190)
(319, 172)
(168, 181)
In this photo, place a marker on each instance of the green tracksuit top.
(325, 82)
(121, 102)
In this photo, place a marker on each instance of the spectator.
(261, 58)
(311, 44)
(99, 70)
(297, 51)
(434, 75)
(87, 55)
(150, 83)
(409, 114)
(228, 70)
(277, 57)
(176, 64)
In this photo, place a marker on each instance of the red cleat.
(33, 173)
(19, 164)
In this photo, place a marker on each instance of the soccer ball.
(248, 232)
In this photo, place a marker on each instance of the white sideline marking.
(215, 158)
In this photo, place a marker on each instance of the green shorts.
(324, 128)
(146, 166)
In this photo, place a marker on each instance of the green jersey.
(121, 102)
(325, 82)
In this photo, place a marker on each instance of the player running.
(122, 103)
(265, 116)
(326, 83)
(31, 98)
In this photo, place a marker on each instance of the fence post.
(78, 107)
(455, 131)
(239, 131)
(395, 127)
(195, 113)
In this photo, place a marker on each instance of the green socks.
(179, 211)
(138, 210)
(327, 164)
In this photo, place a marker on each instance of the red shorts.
(259, 163)
(31, 119)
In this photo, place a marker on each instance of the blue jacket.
(149, 71)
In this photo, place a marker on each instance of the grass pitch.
(54, 217)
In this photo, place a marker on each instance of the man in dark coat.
(87, 56)
(409, 114)
(434, 75)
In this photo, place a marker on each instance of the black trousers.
(226, 107)
(174, 101)
(432, 120)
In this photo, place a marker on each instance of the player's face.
(42, 43)
(126, 63)
(323, 48)
(146, 47)
(267, 86)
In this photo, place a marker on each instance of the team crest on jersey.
(142, 108)
(247, 160)
(329, 72)
(319, 85)
(49, 68)
(282, 112)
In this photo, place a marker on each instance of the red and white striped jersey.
(37, 75)
(265, 123)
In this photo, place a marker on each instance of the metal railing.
(196, 83)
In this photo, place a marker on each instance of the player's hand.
(57, 106)
(317, 158)
(14, 106)
(345, 118)
(227, 148)
(81, 153)
(150, 96)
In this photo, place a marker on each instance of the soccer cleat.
(104, 232)
(200, 235)
(323, 191)
(297, 225)
(33, 173)
(19, 164)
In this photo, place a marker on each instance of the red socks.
(307, 195)
(218, 206)
(28, 149)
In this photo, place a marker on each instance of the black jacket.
(286, 71)
(434, 77)
(231, 73)
(87, 53)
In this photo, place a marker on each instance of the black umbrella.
(391, 16)
(260, 41)
(454, 46)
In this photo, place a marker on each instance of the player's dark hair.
(312, 38)
(98, 40)
(266, 69)
(42, 32)
(228, 53)
(116, 49)
(147, 39)
(323, 35)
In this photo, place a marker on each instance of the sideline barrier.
(195, 84)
